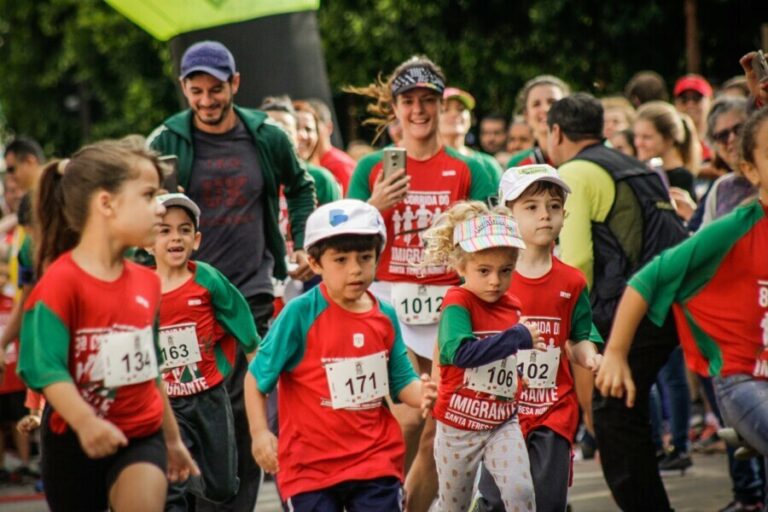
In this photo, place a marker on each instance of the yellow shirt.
(592, 194)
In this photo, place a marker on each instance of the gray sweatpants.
(458, 454)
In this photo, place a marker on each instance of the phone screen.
(170, 170)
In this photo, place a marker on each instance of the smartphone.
(169, 164)
(394, 161)
(760, 66)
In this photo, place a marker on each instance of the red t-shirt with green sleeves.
(436, 183)
(558, 302)
(466, 317)
(221, 317)
(716, 282)
(318, 446)
(65, 318)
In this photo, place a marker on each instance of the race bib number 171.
(357, 380)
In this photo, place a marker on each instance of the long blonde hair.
(382, 109)
(440, 246)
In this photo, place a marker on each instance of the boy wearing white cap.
(336, 352)
(202, 319)
(555, 297)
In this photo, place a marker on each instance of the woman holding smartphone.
(410, 199)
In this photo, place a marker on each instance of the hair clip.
(62, 166)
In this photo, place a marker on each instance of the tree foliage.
(492, 47)
(76, 70)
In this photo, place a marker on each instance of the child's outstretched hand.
(181, 465)
(264, 450)
(428, 394)
(28, 424)
(538, 341)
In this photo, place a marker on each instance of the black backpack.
(641, 223)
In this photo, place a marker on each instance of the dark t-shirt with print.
(227, 184)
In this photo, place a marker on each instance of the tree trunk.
(692, 51)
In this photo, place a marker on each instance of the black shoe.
(737, 506)
(676, 461)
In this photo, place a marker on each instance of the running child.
(336, 352)
(109, 436)
(202, 318)
(479, 336)
(554, 297)
(716, 283)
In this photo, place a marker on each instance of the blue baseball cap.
(209, 57)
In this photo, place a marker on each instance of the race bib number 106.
(497, 378)
(128, 357)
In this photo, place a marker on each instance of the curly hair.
(440, 247)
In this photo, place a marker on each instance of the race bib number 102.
(539, 368)
(357, 380)
(128, 357)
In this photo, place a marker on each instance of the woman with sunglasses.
(724, 124)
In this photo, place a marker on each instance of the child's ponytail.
(52, 236)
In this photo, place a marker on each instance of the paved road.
(703, 488)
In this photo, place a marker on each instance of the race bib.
(128, 357)
(178, 346)
(357, 380)
(497, 378)
(418, 304)
(539, 368)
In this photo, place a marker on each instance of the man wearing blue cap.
(232, 162)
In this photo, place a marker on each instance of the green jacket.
(279, 165)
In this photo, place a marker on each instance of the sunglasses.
(723, 135)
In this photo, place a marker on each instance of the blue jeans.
(743, 402)
(674, 388)
(747, 475)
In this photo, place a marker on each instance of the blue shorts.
(384, 493)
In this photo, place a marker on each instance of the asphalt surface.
(703, 488)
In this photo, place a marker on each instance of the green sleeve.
(25, 253)
(485, 182)
(326, 186)
(283, 347)
(359, 184)
(677, 274)
(401, 371)
(581, 321)
(518, 157)
(493, 166)
(455, 327)
(299, 187)
(229, 306)
(44, 348)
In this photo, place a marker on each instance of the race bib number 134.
(128, 357)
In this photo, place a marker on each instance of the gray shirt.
(227, 184)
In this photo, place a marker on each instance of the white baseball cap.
(344, 217)
(486, 232)
(515, 180)
(181, 200)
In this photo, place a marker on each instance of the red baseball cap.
(693, 83)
